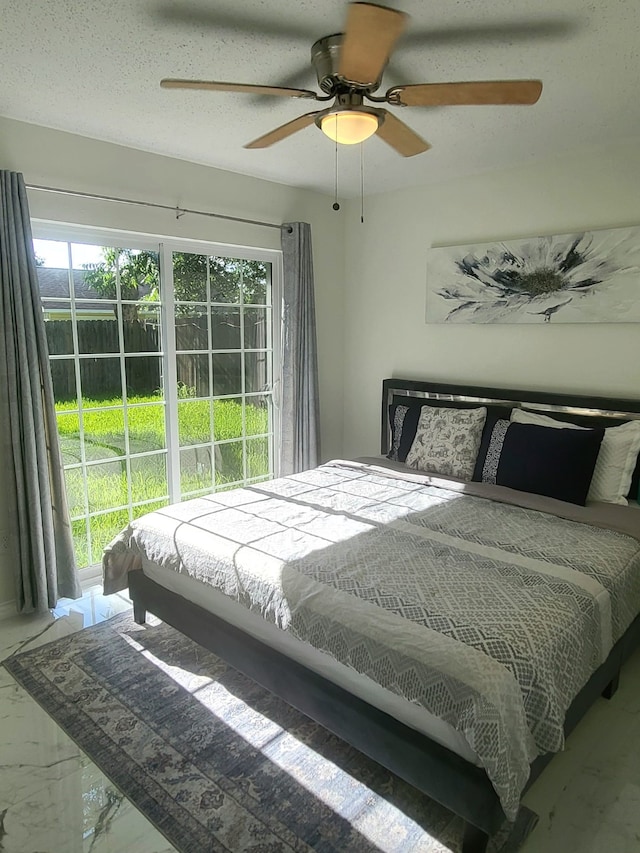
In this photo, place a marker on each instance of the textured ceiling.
(93, 67)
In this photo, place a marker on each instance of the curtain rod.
(179, 211)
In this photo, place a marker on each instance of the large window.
(162, 357)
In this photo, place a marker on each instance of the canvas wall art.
(587, 277)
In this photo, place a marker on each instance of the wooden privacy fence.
(100, 377)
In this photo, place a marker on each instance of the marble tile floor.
(53, 799)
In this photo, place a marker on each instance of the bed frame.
(436, 771)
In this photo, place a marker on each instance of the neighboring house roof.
(54, 285)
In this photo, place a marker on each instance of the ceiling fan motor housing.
(325, 58)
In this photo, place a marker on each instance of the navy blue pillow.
(404, 423)
(558, 463)
(494, 414)
(634, 491)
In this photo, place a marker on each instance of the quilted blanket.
(489, 614)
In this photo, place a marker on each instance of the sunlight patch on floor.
(369, 812)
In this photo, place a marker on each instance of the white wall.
(51, 158)
(386, 286)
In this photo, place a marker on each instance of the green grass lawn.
(107, 482)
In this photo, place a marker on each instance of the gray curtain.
(38, 516)
(299, 409)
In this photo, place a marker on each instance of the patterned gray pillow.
(447, 441)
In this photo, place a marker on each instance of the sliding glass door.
(223, 343)
(162, 361)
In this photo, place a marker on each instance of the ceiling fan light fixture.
(349, 127)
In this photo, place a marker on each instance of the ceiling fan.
(349, 68)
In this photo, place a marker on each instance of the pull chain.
(336, 205)
(361, 183)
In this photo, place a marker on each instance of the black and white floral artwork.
(588, 277)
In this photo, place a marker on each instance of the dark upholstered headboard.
(586, 411)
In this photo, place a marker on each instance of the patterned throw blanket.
(490, 615)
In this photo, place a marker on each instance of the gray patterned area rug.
(216, 762)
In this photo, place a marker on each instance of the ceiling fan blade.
(301, 78)
(247, 88)
(400, 136)
(464, 94)
(283, 131)
(370, 35)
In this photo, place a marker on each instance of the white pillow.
(616, 460)
(447, 441)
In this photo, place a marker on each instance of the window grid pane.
(102, 312)
(239, 422)
(103, 318)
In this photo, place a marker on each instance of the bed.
(454, 629)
